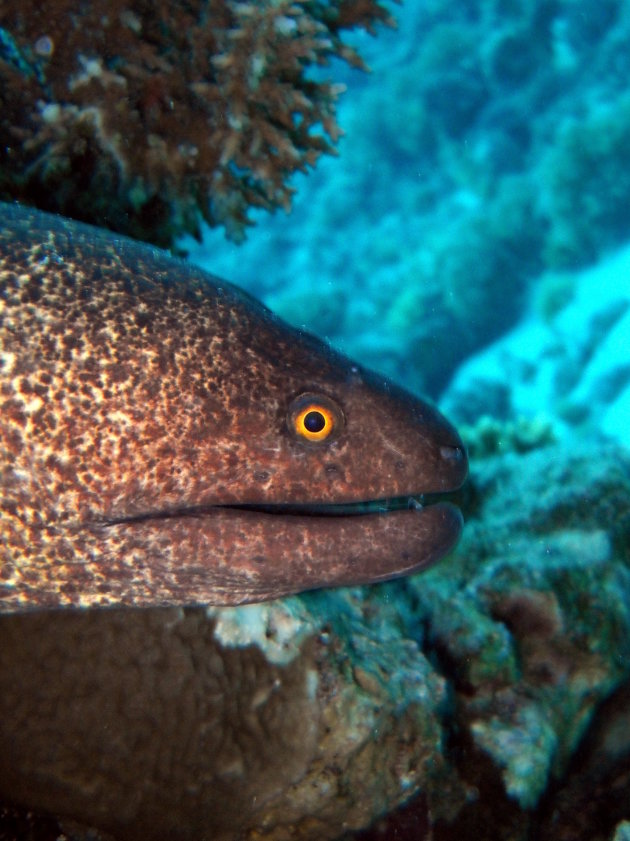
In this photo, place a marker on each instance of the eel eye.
(314, 417)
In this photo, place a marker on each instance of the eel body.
(165, 439)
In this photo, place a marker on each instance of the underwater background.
(476, 214)
(470, 240)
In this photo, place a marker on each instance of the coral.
(489, 435)
(567, 361)
(530, 621)
(147, 116)
(595, 794)
(622, 831)
(586, 184)
(553, 292)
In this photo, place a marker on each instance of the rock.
(190, 723)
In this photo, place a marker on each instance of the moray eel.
(165, 439)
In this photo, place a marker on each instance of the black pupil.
(314, 421)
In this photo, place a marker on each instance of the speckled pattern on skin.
(136, 392)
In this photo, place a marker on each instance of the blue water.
(478, 209)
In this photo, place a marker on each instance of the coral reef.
(144, 117)
(529, 621)
(490, 436)
(587, 184)
(565, 366)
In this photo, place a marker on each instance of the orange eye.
(314, 417)
(314, 423)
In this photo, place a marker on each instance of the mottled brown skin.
(137, 394)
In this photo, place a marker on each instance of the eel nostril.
(455, 454)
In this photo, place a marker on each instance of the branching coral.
(142, 115)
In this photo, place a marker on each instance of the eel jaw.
(233, 554)
(417, 502)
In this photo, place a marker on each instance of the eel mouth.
(417, 502)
